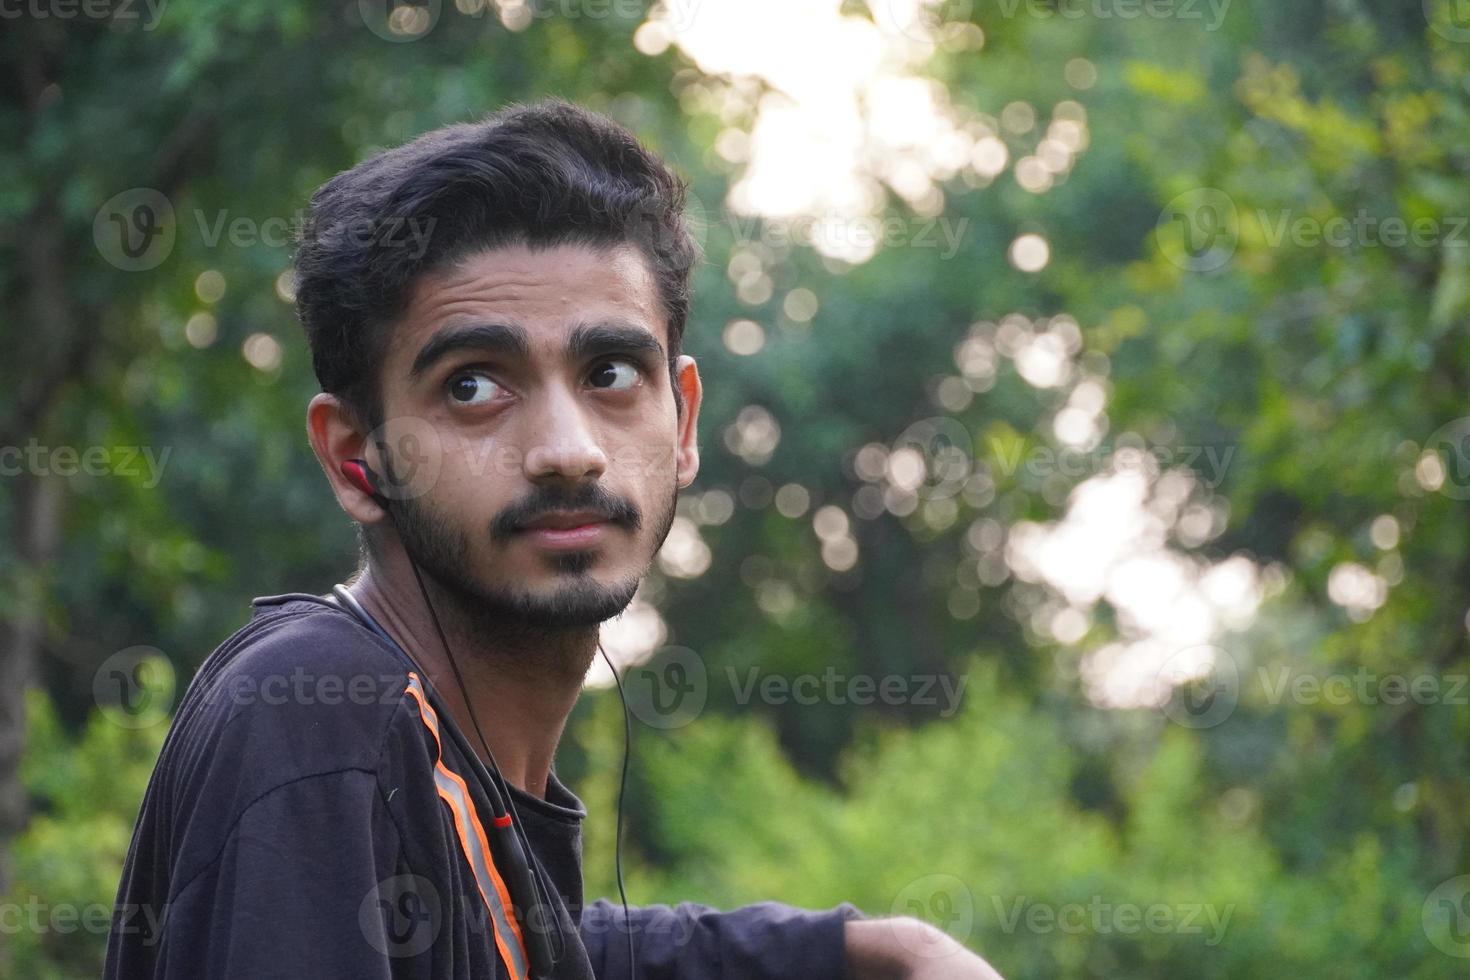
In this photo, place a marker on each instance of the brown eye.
(618, 381)
(473, 388)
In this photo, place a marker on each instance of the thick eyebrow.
(588, 340)
(614, 336)
(505, 339)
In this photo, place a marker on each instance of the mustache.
(591, 497)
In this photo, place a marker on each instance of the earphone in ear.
(361, 476)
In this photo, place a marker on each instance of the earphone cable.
(622, 793)
(542, 895)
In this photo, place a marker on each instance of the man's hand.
(908, 949)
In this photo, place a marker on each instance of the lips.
(564, 521)
(583, 531)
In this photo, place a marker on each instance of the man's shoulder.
(301, 689)
(296, 650)
(303, 700)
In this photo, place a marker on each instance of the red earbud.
(359, 475)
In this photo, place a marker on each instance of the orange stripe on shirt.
(465, 823)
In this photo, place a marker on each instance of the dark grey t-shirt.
(311, 815)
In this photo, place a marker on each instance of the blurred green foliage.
(1321, 830)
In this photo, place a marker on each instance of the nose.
(563, 445)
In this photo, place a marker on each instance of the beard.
(443, 551)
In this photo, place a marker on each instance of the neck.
(521, 681)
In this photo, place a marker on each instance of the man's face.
(524, 382)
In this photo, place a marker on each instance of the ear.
(687, 447)
(335, 437)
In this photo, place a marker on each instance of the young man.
(361, 785)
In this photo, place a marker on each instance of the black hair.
(539, 174)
